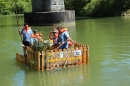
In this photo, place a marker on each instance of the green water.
(109, 65)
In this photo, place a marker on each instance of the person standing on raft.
(26, 42)
(63, 38)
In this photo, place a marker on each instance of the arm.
(68, 37)
(70, 40)
(50, 35)
(54, 28)
(20, 31)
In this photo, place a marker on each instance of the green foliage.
(76, 5)
(5, 7)
(98, 8)
(102, 8)
(40, 46)
(8, 6)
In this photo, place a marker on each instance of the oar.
(18, 23)
(65, 63)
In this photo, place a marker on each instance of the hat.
(56, 31)
(40, 35)
(35, 31)
(65, 28)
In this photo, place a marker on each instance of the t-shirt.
(63, 37)
(27, 35)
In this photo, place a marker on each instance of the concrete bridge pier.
(47, 12)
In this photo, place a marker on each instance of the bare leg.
(24, 51)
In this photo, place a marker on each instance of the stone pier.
(47, 12)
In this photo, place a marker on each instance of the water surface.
(109, 65)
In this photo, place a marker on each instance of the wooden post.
(35, 60)
(76, 57)
(60, 57)
(52, 59)
(57, 57)
(84, 54)
(47, 60)
(87, 55)
(72, 58)
(80, 60)
(38, 57)
(31, 56)
(42, 61)
(28, 55)
(69, 57)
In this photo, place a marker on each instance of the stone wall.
(55, 5)
(37, 5)
(49, 18)
(47, 5)
(48, 12)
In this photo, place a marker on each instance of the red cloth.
(70, 43)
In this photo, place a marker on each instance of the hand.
(19, 30)
(54, 25)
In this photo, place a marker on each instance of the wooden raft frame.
(52, 59)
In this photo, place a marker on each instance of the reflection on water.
(10, 20)
(73, 76)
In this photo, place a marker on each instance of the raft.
(52, 59)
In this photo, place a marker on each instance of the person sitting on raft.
(53, 36)
(37, 39)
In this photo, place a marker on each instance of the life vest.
(69, 42)
(25, 28)
(36, 35)
(64, 29)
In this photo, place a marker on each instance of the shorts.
(26, 43)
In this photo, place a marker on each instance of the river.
(109, 63)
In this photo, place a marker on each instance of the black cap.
(35, 31)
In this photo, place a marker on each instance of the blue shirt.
(27, 35)
(62, 38)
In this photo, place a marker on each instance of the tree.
(76, 5)
(8, 6)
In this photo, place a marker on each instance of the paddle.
(18, 23)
